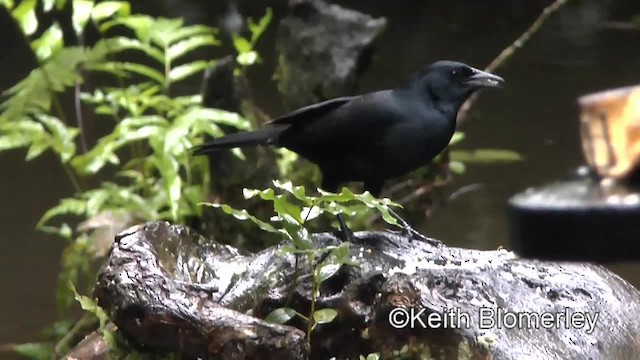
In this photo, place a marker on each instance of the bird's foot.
(344, 233)
(411, 233)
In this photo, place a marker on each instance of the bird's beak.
(482, 79)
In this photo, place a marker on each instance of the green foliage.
(37, 351)
(145, 157)
(293, 208)
(282, 315)
(373, 356)
(245, 47)
(91, 306)
(485, 156)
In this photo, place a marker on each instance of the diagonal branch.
(508, 52)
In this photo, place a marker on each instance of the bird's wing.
(312, 111)
(361, 126)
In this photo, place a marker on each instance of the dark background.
(575, 53)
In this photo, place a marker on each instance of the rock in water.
(322, 49)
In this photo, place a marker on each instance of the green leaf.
(47, 5)
(257, 29)
(96, 200)
(122, 43)
(34, 93)
(81, 14)
(297, 191)
(143, 70)
(485, 156)
(296, 232)
(241, 44)
(190, 31)
(9, 3)
(60, 4)
(50, 42)
(281, 315)
(14, 141)
(283, 207)
(163, 31)
(457, 167)
(64, 231)
(280, 204)
(37, 148)
(324, 316)
(244, 215)
(128, 130)
(107, 9)
(66, 206)
(25, 14)
(183, 47)
(325, 271)
(331, 265)
(267, 194)
(310, 212)
(382, 206)
(62, 139)
(140, 24)
(183, 71)
(37, 351)
(247, 58)
(220, 117)
(457, 137)
(90, 305)
(286, 161)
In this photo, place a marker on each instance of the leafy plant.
(246, 47)
(373, 356)
(293, 209)
(152, 129)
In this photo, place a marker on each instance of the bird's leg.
(345, 233)
(330, 184)
(411, 233)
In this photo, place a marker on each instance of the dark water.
(534, 115)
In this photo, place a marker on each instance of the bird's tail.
(241, 139)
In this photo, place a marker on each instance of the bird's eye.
(461, 73)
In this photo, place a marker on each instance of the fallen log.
(168, 289)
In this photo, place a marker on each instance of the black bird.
(376, 136)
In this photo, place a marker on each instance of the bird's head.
(453, 82)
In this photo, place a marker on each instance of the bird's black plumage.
(377, 136)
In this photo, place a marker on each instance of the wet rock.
(169, 289)
(323, 48)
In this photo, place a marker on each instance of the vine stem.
(167, 70)
(78, 106)
(508, 52)
(72, 177)
(314, 290)
(56, 104)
